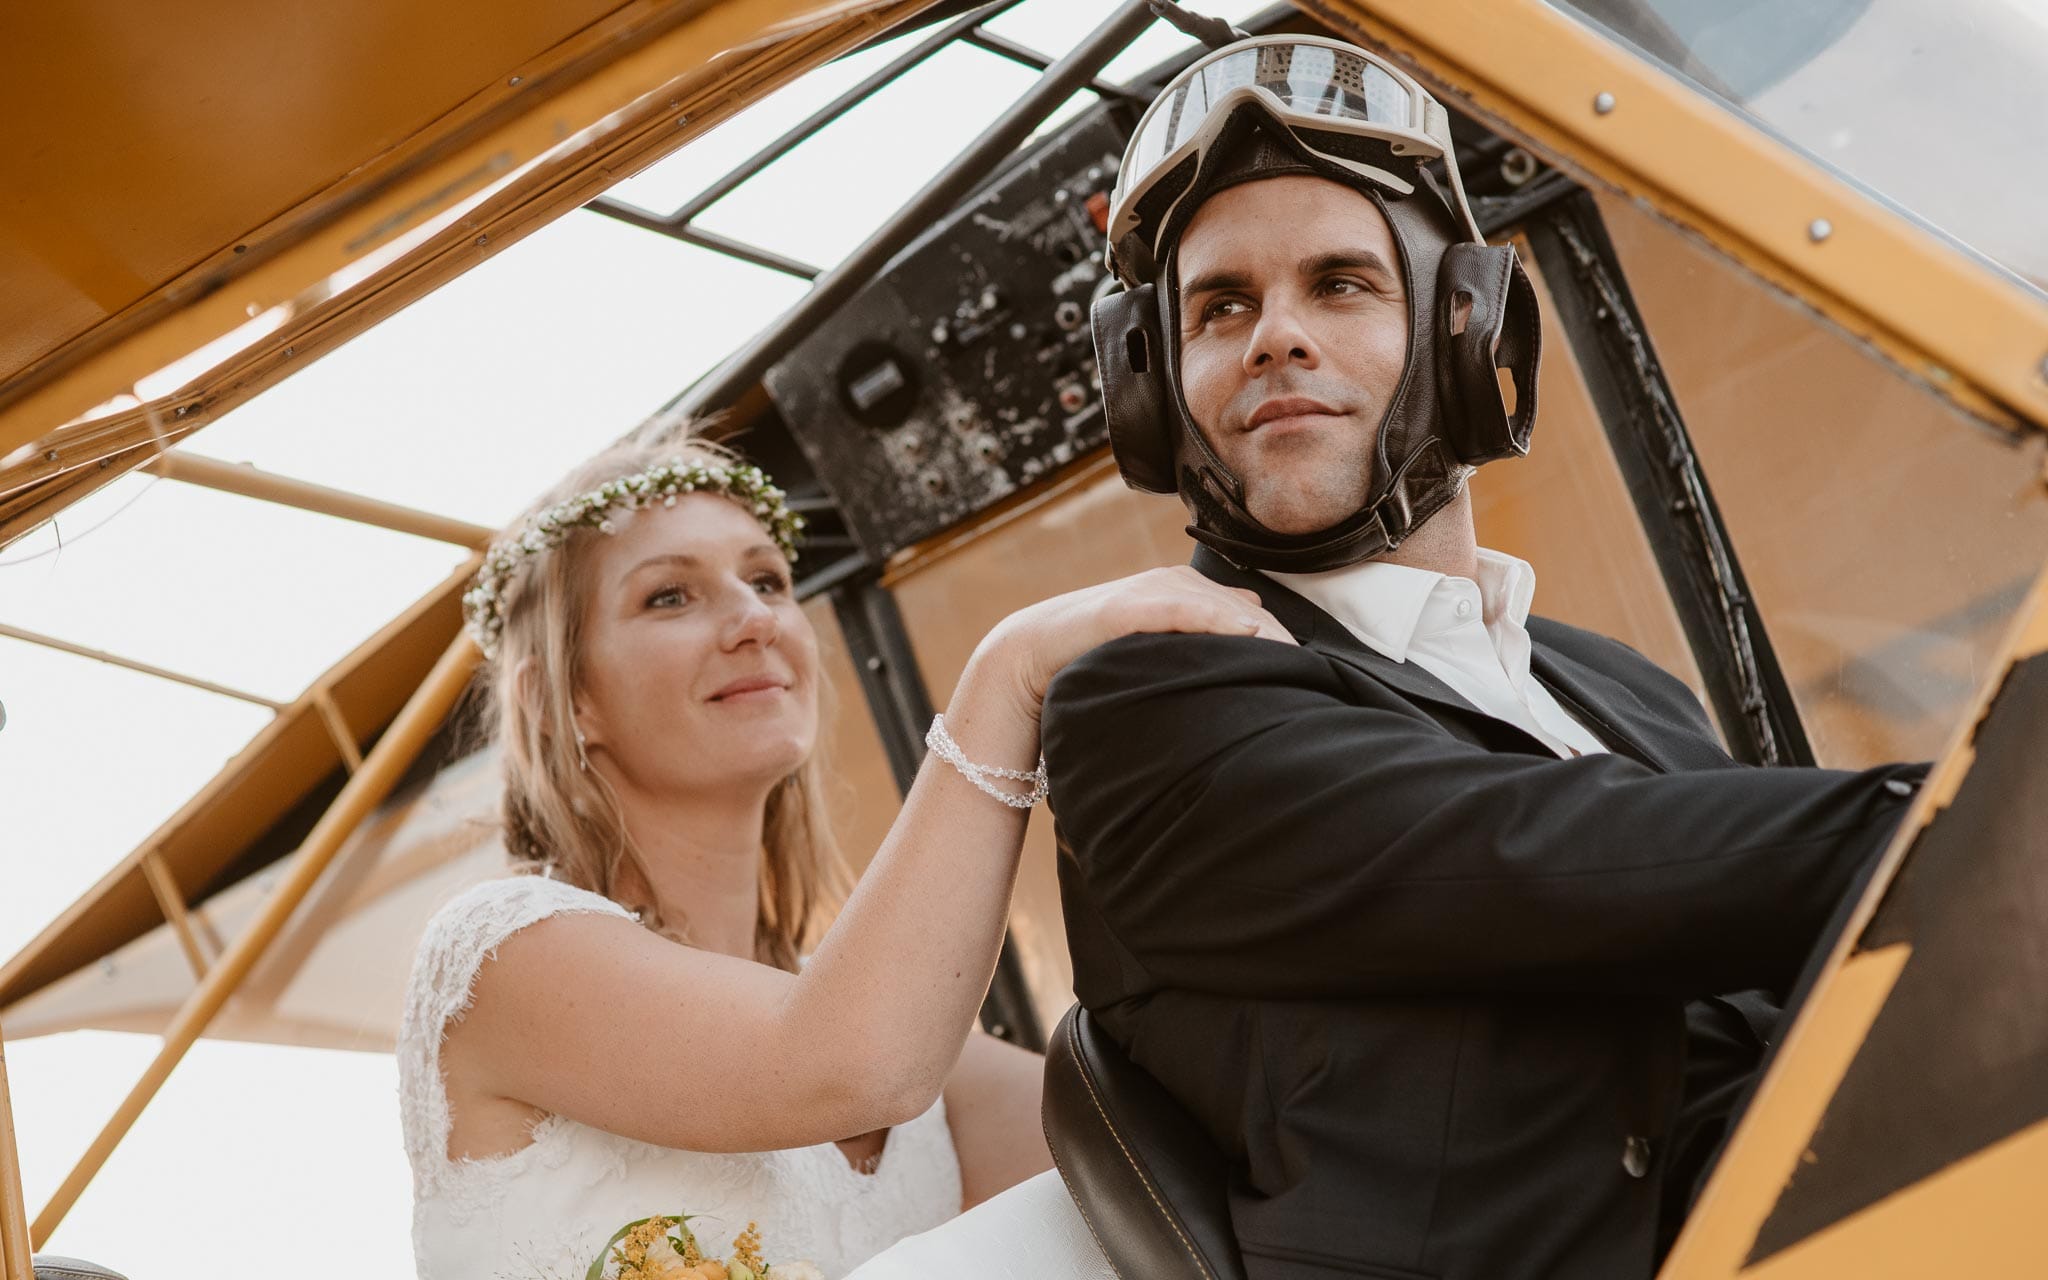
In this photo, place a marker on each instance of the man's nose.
(1279, 338)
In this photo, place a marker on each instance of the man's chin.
(1299, 516)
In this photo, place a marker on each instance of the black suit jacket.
(1422, 980)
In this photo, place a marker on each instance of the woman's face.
(700, 671)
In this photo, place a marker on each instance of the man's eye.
(1342, 285)
(1223, 307)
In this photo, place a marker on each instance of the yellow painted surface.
(1983, 1218)
(1765, 1152)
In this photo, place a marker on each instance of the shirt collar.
(1388, 605)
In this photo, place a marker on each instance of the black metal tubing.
(1004, 47)
(703, 239)
(880, 648)
(798, 133)
(1745, 684)
(679, 224)
(832, 289)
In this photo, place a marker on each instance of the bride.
(645, 1022)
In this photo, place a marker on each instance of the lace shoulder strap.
(461, 936)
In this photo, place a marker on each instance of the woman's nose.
(750, 620)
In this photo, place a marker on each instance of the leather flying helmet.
(1270, 107)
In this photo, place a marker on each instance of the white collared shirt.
(1473, 636)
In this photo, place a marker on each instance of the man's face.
(1293, 333)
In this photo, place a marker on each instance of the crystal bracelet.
(942, 745)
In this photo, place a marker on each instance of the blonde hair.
(562, 817)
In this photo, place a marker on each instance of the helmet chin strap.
(1418, 491)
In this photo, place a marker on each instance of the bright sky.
(468, 403)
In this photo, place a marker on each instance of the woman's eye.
(668, 597)
(771, 584)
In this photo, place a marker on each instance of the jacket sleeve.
(1244, 824)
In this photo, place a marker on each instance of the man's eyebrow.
(1342, 260)
(1216, 282)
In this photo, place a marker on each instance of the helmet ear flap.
(1130, 355)
(1488, 339)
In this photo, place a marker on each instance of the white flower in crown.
(484, 603)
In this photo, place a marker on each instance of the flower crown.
(484, 603)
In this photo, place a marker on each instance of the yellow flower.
(746, 1248)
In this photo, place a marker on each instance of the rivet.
(241, 248)
(51, 456)
(291, 351)
(483, 239)
(1819, 229)
(515, 80)
(874, 664)
(1603, 103)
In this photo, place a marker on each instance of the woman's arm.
(597, 1020)
(992, 1102)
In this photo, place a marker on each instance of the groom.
(1445, 924)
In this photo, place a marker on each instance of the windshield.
(1939, 109)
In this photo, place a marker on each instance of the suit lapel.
(1604, 705)
(1601, 702)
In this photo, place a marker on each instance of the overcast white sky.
(467, 403)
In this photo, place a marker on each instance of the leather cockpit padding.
(1149, 1183)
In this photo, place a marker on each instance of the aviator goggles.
(1324, 92)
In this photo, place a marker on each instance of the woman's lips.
(752, 688)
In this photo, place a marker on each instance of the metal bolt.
(1517, 167)
(515, 80)
(483, 240)
(1603, 103)
(291, 351)
(874, 663)
(51, 456)
(1819, 229)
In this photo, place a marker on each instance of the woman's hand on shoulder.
(1048, 635)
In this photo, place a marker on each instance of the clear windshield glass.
(1940, 109)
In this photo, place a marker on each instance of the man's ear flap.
(1130, 356)
(1488, 340)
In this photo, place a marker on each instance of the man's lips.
(1292, 407)
(749, 684)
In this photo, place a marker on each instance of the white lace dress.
(544, 1211)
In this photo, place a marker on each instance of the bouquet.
(663, 1247)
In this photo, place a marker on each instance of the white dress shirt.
(1470, 635)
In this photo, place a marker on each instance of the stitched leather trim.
(1088, 1079)
(1086, 1221)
